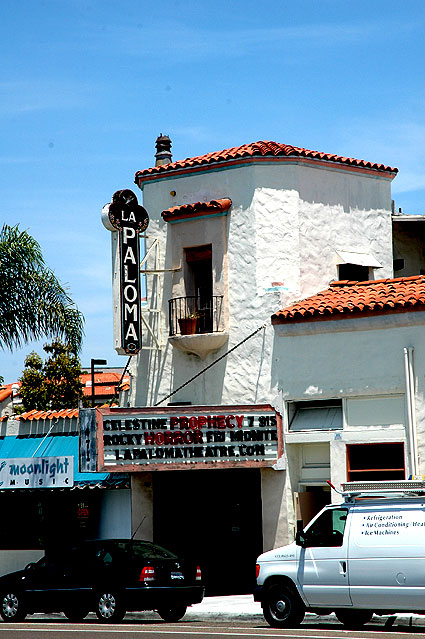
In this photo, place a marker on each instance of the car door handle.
(343, 567)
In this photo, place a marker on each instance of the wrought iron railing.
(190, 315)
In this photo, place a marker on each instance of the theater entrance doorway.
(215, 518)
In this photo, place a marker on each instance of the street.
(150, 627)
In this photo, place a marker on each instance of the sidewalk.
(244, 608)
(235, 606)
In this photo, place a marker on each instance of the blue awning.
(54, 446)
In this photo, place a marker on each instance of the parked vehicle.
(363, 556)
(109, 577)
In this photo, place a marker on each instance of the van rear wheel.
(282, 607)
(353, 619)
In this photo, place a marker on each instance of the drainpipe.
(411, 410)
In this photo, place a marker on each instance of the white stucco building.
(297, 220)
(236, 237)
(353, 395)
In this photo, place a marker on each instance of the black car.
(109, 577)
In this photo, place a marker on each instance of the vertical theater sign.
(135, 439)
(124, 215)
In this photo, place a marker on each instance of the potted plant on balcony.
(188, 324)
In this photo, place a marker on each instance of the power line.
(263, 326)
(117, 388)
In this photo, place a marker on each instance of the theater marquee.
(131, 439)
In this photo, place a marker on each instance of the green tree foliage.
(56, 383)
(33, 387)
(33, 303)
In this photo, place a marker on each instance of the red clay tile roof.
(100, 391)
(197, 209)
(105, 383)
(49, 414)
(5, 392)
(102, 378)
(345, 299)
(253, 152)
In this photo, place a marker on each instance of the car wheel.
(76, 613)
(12, 607)
(282, 607)
(353, 619)
(109, 607)
(173, 613)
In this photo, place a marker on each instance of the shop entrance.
(215, 518)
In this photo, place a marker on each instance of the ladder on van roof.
(407, 487)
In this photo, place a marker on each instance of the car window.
(40, 563)
(50, 563)
(328, 529)
(108, 556)
(142, 550)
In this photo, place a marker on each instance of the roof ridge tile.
(262, 148)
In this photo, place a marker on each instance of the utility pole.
(93, 363)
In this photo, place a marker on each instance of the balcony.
(197, 324)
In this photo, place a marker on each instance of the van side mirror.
(300, 537)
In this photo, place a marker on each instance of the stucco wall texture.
(285, 225)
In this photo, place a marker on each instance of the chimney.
(163, 150)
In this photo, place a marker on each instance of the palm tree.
(33, 303)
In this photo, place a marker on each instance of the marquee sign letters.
(136, 438)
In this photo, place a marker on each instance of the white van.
(363, 556)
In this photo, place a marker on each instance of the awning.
(353, 257)
(56, 446)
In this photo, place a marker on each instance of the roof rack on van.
(352, 489)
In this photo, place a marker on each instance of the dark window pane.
(353, 272)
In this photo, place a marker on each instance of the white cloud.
(187, 42)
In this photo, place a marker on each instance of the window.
(199, 284)
(353, 272)
(375, 462)
(384, 410)
(328, 529)
(199, 270)
(199, 310)
(322, 415)
(356, 266)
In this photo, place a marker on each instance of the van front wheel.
(282, 607)
(353, 619)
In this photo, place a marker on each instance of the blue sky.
(86, 87)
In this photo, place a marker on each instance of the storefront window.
(375, 462)
(36, 519)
